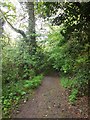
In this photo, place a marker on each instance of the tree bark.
(1, 26)
(31, 26)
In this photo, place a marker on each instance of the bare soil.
(51, 101)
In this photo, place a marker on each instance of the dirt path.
(50, 101)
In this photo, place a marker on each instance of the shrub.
(15, 91)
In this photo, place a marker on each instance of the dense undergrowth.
(66, 50)
(70, 59)
(68, 46)
(21, 71)
(21, 74)
(14, 92)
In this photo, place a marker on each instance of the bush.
(70, 58)
(18, 73)
(15, 91)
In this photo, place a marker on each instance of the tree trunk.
(31, 27)
(1, 26)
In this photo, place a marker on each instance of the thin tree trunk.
(1, 26)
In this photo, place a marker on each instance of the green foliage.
(34, 83)
(19, 64)
(68, 83)
(8, 5)
(73, 95)
(17, 90)
(18, 73)
(66, 50)
(58, 50)
(71, 85)
(71, 59)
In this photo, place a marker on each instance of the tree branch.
(15, 29)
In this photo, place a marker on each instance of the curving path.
(50, 101)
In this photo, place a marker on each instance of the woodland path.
(50, 101)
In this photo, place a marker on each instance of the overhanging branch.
(15, 29)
